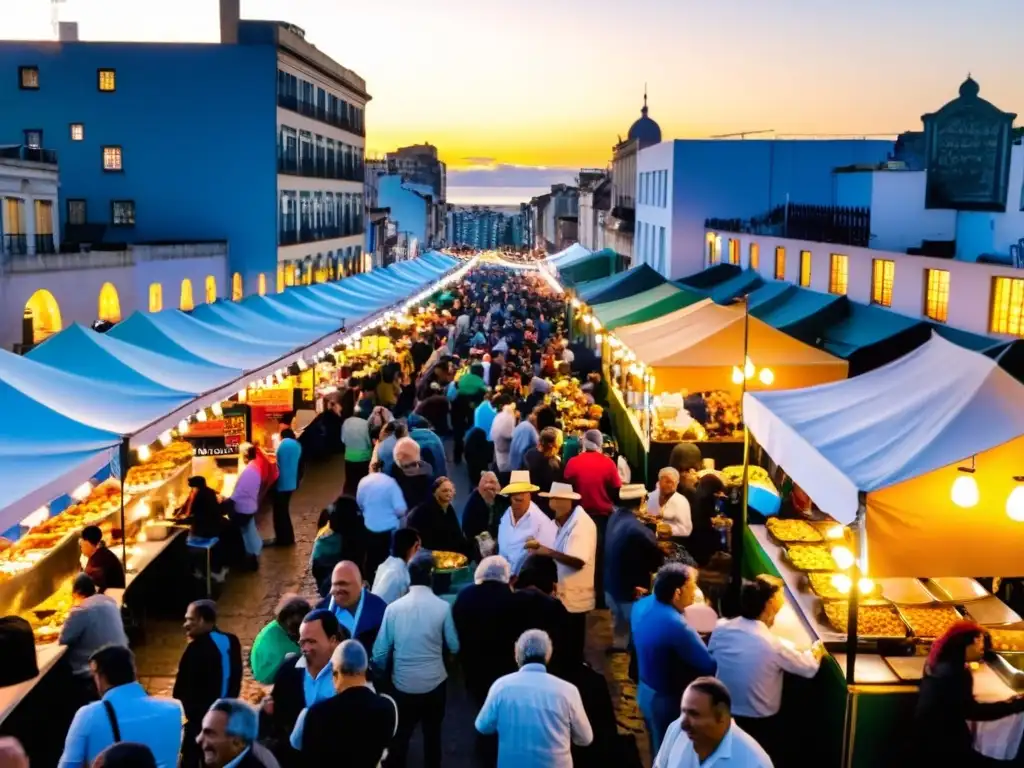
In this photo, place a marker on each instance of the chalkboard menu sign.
(967, 145)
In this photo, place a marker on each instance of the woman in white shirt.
(670, 506)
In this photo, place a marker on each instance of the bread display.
(872, 620)
(929, 621)
(811, 557)
(795, 531)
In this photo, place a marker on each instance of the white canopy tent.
(572, 254)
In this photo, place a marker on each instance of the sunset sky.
(553, 82)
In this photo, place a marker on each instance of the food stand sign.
(272, 398)
(967, 146)
(223, 436)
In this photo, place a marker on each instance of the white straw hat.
(561, 491)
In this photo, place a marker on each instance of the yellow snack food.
(1007, 639)
(930, 621)
(810, 557)
(872, 620)
(822, 584)
(449, 561)
(793, 530)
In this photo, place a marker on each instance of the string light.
(218, 411)
(143, 452)
(165, 438)
(82, 492)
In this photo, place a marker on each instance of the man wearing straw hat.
(523, 521)
(575, 555)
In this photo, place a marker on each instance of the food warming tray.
(956, 589)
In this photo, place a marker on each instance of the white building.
(28, 188)
(595, 206)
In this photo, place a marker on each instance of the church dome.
(645, 130)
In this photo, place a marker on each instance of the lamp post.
(740, 525)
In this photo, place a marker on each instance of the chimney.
(67, 31)
(229, 15)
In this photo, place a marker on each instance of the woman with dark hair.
(437, 522)
(946, 704)
(342, 538)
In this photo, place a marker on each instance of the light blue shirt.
(317, 688)
(346, 618)
(380, 498)
(391, 580)
(155, 722)
(483, 417)
(224, 647)
(289, 453)
(414, 632)
(524, 437)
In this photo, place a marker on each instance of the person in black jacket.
(355, 726)
(103, 567)
(413, 475)
(437, 522)
(946, 704)
(544, 464)
(210, 669)
(483, 512)
(534, 606)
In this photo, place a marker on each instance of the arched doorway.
(262, 287)
(110, 304)
(186, 304)
(211, 289)
(45, 314)
(237, 291)
(156, 297)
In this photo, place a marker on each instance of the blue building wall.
(408, 209)
(197, 126)
(741, 179)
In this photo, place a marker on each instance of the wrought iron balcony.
(44, 244)
(16, 245)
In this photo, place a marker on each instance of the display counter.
(863, 724)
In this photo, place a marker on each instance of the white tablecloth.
(998, 739)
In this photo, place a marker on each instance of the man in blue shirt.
(670, 653)
(289, 457)
(124, 713)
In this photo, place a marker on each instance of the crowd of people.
(551, 533)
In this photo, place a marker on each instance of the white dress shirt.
(391, 580)
(380, 498)
(502, 427)
(577, 538)
(737, 750)
(512, 535)
(676, 512)
(537, 717)
(414, 632)
(751, 660)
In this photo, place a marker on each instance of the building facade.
(421, 168)
(595, 206)
(278, 175)
(29, 194)
(485, 228)
(410, 207)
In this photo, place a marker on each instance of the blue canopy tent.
(345, 311)
(731, 289)
(352, 296)
(621, 285)
(238, 319)
(415, 269)
(800, 312)
(273, 310)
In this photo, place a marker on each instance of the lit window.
(77, 131)
(76, 211)
(883, 272)
(28, 78)
(734, 251)
(755, 256)
(106, 80)
(122, 213)
(936, 294)
(263, 284)
(112, 159)
(236, 287)
(805, 269)
(211, 289)
(710, 237)
(839, 274)
(1008, 305)
(780, 263)
(280, 278)
(156, 297)
(186, 302)
(717, 255)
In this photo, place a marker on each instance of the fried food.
(821, 584)
(872, 620)
(1007, 639)
(449, 561)
(929, 621)
(793, 530)
(811, 557)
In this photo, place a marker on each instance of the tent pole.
(859, 570)
(739, 531)
(124, 451)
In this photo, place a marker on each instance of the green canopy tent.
(869, 337)
(593, 266)
(644, 306)
(800, 312)
(708, 278)
(620, 286)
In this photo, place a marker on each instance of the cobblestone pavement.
(248, 600)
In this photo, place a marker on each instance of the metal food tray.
(938, 607)
(957, 590)
(785, 542)
(907, 668)
(861, 635)
(906, 591)
(785, 556)
(876, 599)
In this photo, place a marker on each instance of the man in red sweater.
(595, 477)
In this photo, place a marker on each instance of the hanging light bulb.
(598, 338)
(865, 586)
(201, 415)
(1015, 501)
(82, 491)
(183, 427)
(842, 583)
(748, 368)
(241, 395)
(737, 375)
(964, 492)
(766, 377)
(218, 411)
(143, 452)
(835, 532)
(844, 557)
(36, 517)
(165, 438)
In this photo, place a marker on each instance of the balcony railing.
(316, 234)
(30, 154)
(293, 103)
(320, 170)
(815, 223)
(15, 245)
(44, 244)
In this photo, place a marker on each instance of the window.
(185, 303)
(112, 159)
(805, 269)
(28, 78)
(734, 251)
(262, 284)
(156, 297)
(33, 138)
(754, 258)
(106, 80)
(122, 213)
(883, 271)
(839, 274)
(211, 289)
(237, 291)
(780, 263)
(76, 211)
(710, 237)
(936, 294)
(1008, 305)
(77, 132)
(280, 278)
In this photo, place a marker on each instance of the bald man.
(358, 610)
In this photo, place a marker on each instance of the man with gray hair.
(357, 717)
(228, 736)
(537, 716)
(671, 506)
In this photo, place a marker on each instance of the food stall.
(915, 472)
(680, 377)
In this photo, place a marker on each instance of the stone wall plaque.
(967, 144)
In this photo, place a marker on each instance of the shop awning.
(620, 286)
(275, 311)
(870, 337)
(590, 267)
(656, 309)
(232, 316)
(797, 311)
(899, 434)
(573, 251)
(710, 277)
(739, 285)
(416, 269)
(975, 342)
(610, 313)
